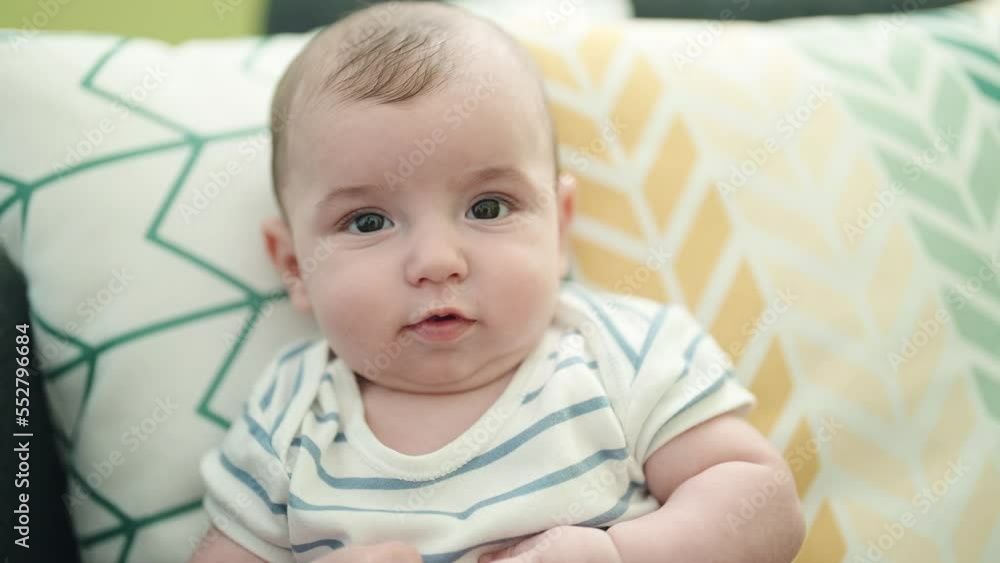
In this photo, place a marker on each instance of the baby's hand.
(387, 552)
(562, 544)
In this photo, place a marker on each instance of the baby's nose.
(437, 257)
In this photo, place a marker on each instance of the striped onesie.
(615, 377)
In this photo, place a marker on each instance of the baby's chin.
(430, 379)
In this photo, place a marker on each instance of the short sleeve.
(247, 477)
(685, 380)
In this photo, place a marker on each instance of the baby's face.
(443, 202)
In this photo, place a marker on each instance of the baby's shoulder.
(628, 334)
(286, 389)
(629, 321)
(293, 370)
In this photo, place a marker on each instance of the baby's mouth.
(442, 316)
(441, 327)
(439, 318)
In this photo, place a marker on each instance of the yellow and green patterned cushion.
(823, 194)
(828, 193)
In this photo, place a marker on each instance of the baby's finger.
(505, 555)
(393, 552)
(523, 558)
(342, 555)
(388, 552)
(495, 556)
(512, 554)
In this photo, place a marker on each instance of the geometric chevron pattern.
(822, 194)
(843, 246)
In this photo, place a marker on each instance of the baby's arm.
(702, 478)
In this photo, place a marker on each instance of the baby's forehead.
(387, 78)
(489, 86)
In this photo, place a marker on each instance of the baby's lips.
(443, 313)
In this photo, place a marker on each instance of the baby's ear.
(566, 200)
(281, 249)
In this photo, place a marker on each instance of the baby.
(466, 403)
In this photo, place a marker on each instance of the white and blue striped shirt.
(614, 378)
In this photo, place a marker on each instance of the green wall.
(170, 20)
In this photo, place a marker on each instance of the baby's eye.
(488, 208)
(368, 223)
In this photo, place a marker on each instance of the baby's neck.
(487, 387)
(444, 416)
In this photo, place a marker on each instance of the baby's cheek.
(347, 304)
(526, 290)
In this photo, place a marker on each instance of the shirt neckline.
(447, 458)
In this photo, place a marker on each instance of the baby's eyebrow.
(491, 173)
(345, 192)
(479, 176)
